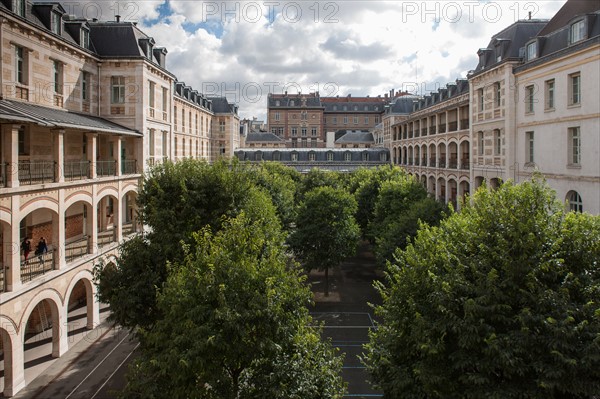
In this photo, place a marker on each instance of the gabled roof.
(568, 11)
(57, 118)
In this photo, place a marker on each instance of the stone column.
(14, 360)
(92, 143)
(10, 147)
(58, 145)
(12, 249)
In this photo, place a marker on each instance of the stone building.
(85, 107)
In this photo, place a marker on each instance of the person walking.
(26, 247)
(41, 249)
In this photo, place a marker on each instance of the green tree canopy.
(326, 231)
(175, 201)
(500, 301)
(235, 324)
(401, 204)
(316, 178)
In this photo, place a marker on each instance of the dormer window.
(335, 107)
(85, 38)
(20, 8)
(291, 103)
(277, 103)
(55, 22)
(577, 31)
(531, 51)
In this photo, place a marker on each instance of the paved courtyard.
(347, 316)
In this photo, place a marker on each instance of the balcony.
(417, 161)
(452, 126)
(465, 164)
(128, 166)
(76, 249)
(424, 161)
(464, 123)
(424, 132)
(442, 163)
(77, 170)
(432, 129)
(37, 265)
(453, 164)
(432, 162)
(106, 168)
(129, 228)
(36, 172)
(443, 128)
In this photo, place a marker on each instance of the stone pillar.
(10, 147)
(60, 332)
(58, 145)
(92, 143)
(12, 249)
(117, 145)
(118, 218)
(14, 360)
(93, 307)
(58, 234)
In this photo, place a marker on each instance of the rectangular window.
(20, 74)
(277, 116)
(165, 99)
(55, 22)
(183, 120)
(20, 7)
(151, 142)
(577, 31)
(151, 89)
(575, 89)
(366, 120)
(85, 84)
(57, 70)
(221, 126)
(304, 143)
(549, 94)
(355, 120)
(497, 142)
(313, 131)
(480, 99)
(498, 94)
(531, 51)
(22, 142)
(294, 131)
(480, 143)
(294, 145)
(376, 120)
(529, 146)
(303, 132)
(529, 99)
(345, 120)
(574, 146)
(85, 38)
(164, 143)
(334, 120)
(117, 89)
(313, 143)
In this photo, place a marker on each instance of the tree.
(499, 301)
(280, 182)
(401, 205)
(235, 324)
(175, 201)
(326, 231)
(317, 178)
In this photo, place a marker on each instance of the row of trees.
(212, 290)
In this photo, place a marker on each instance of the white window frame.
(550, 86)
(529, 147)
(575, 89)
(574, 146)
(117, 89)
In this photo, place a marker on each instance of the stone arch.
(106, 192)
(14, 377)
(92, 307)
(39, 203)
(79, 197)
(58, 316)
(5, 217)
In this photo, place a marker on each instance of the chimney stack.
(118, 18)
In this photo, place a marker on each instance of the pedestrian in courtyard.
(26, 247)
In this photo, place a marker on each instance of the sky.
(245, 49)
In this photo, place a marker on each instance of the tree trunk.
(327, 281)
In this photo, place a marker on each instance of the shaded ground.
(347, 315)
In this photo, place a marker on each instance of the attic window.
(335, 107)
(577, 31)
(20, 7)
(277, 103)
(531, 51)
(85, 38)
(55, 23)
(150, 51)
(292, 103)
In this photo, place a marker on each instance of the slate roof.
(553, 40)
(57, 118)
(511, 41)
(401, 105)
(116, 39)
(220, 105)
(354, 136)
(263, 137)
(285, 100)
(452, 90)
(338, 106)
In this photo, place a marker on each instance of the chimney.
(160, 53)
(530, 15)
(118, 18)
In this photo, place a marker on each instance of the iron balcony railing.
(2, 278)
(37, 265)
(465, 164)
(443, 128)
(453, 164)
(442, 163)
(3, 168)
(452, 126)
(128, 166)
(36, 172)
(77, 170)
(76, 249)
(106, 168)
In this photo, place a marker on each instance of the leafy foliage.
(401, 204)
(235, 324)
(316, 178)
(499, 301)
(326, 231)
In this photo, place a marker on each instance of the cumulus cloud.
(244, 49)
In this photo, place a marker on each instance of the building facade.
(85, 107)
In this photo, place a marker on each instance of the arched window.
(347, 156)
(330, 156)
(258, 156)
(312, 156)
(575, 202)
